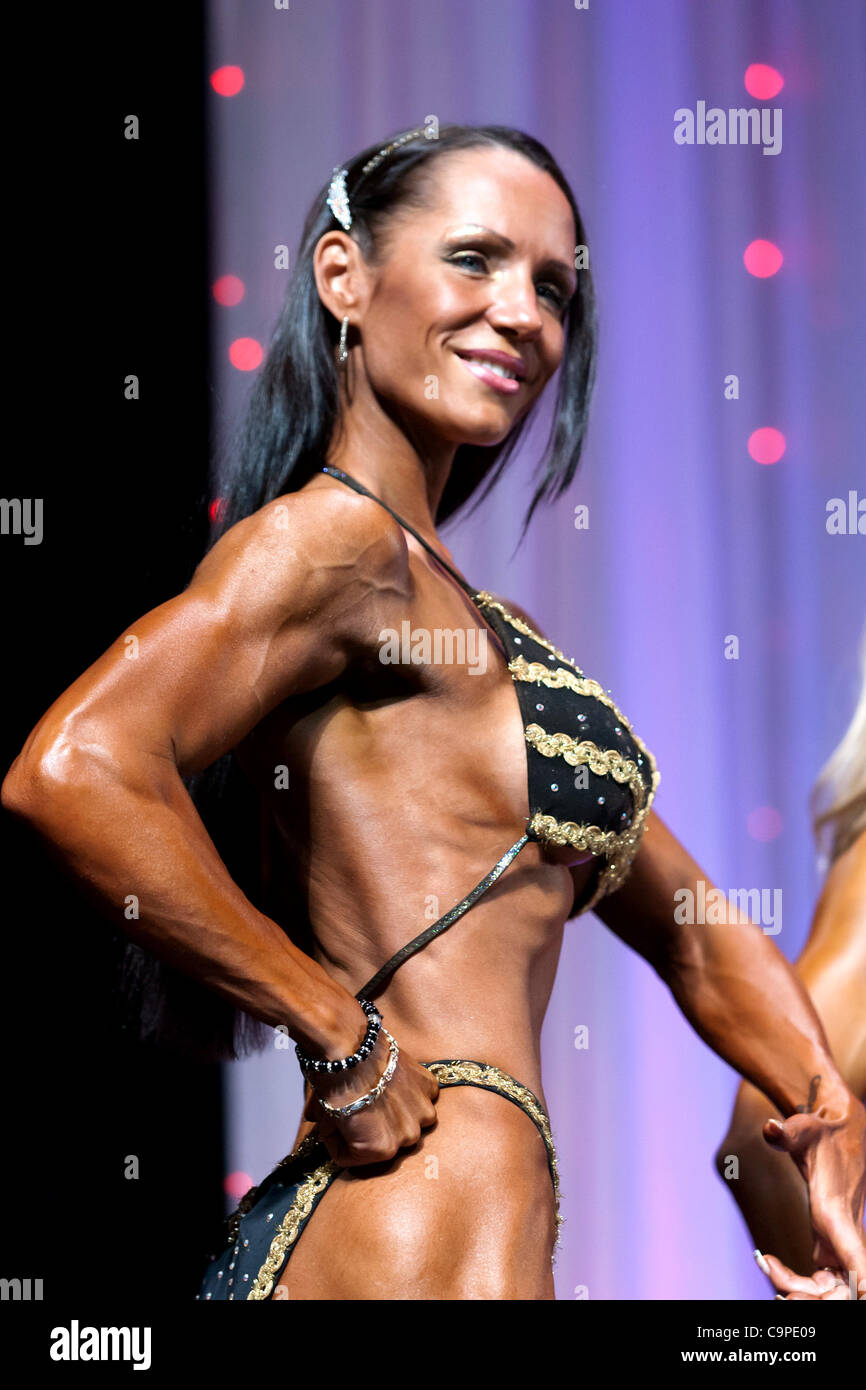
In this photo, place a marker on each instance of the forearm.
(137, 846)
(744, 999)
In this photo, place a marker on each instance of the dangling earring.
(343, 355)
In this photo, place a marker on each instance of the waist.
(508, 1068)
(269, 1218)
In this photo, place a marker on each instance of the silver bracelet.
(377, 1090)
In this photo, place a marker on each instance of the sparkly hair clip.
(338, 198)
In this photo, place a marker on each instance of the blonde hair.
(841, 785)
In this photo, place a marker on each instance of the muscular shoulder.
(312, 554)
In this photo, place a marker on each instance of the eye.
(460, 257)
(559, 298)
(550, 291)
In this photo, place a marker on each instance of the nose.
(515, 305)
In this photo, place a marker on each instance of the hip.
(490, 1162)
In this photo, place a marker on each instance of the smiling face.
(471, 290)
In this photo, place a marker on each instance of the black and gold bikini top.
(591, 779)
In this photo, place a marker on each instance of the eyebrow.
(473, 228)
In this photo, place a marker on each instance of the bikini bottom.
(264, 1230)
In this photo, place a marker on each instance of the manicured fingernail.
(783, 1297)
(776, 1125)
(762, 1263)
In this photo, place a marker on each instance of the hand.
(824, 1286)
(394, 1121)
(831, 1156)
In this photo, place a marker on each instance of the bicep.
(188, 680)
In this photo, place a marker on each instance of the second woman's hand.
(392, 1122)
(830, 1152)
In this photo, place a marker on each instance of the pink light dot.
(228, 290)
(764, 823)
(762, 258)
(237, 1185)
(767, 445)
(245, 354)
(762, 81)
(227, 81)
(216, 510)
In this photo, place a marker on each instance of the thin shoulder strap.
(365, 492)
(371, 988)
(451, 916)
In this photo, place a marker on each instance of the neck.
(408, 474)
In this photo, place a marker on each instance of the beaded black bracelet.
(319, 1065)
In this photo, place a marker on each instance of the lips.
(499, 370)
(514, 365)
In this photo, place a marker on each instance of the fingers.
(774, 1133)
(404, 1132)
(793, 1135)
(848, 1245)
(822, 1285)
(335, 1144)
(787, 1137)
(838, 1294)
(395, 1122)
(783, 1279)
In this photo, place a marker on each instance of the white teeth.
(495, 367)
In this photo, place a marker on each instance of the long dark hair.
(284, 436)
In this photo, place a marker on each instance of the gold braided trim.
(489, 601)
(604, 762)
(249, 1198)
(484, 1073)
(618, 849)
(580, 836)
(447, 1074)
(523, 670)
(530, 670)
(287, 1231)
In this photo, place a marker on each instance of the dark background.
(112, 281)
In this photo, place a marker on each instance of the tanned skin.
(406, 784)
(832, 966)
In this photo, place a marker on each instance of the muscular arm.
(734, 986)
(832, 966)
(744, 999)
(276, 608)
(729, 979)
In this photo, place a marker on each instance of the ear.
(341, 275)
